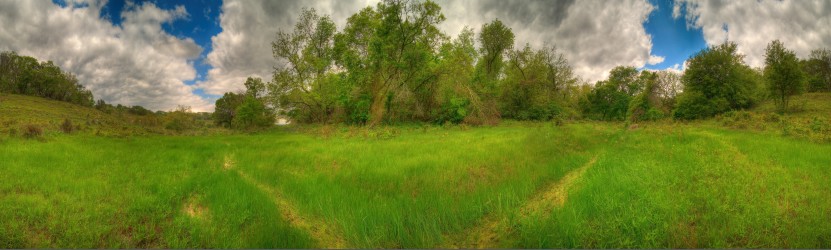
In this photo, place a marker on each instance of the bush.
(179, 120)
(454, 111)
(66, 126)
(32, 131)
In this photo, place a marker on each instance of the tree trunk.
(377, 108)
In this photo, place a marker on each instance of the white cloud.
(595, 36)
(655, 60)
(136, 63)
(801, 25)
(676, 10)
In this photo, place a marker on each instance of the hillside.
(808, 118)
(17, 111)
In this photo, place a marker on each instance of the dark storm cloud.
(544, 12)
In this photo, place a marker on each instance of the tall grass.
(656, 186)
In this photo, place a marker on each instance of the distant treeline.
(26, 76)
(391, 63)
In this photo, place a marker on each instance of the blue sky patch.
(670, 37)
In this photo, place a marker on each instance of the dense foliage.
(392, 64)
(818, 70)
(25, 75)
(717, 80)
(783, 73)
(245, 110)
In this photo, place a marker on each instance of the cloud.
(595, 36)
(801, 25)
(655, 60)
(135, 63)
(676, 10)
(243, 48)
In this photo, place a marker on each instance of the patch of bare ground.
(194, 210)
(489, 229)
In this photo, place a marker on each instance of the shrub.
(454, 111)
(32, 131)
(66, 126)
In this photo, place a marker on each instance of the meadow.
(519, 184)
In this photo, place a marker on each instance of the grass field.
(746, 179)
(583, 185)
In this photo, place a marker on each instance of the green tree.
(646, 105)
(252, 114)
(536, 84)
(454, 93)
(668, 86)
(609, 99)
(496, 40)
(716, 80)
(403, 45)
(818, 70)
(225, 108)
(254, 87)
(25, 75)
(308, 53)
(783, 73)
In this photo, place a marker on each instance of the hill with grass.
(807, 118)
(20, 114)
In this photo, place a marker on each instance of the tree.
(536, 84)
(716, 80)
(609, 100)
(25, 75)
(225, 108)
(667, 89)
(496, 39)
(647, 104)
(254, 87)
(308, 55)
(456, 98)
(783, 73)
(818, 70)
(252, 114)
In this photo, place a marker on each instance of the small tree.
(783, 74)
(818, 70)
(226, 108)
(253, 114)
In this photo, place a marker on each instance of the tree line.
(26, 76)
(391, 64)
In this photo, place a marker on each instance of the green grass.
(658, 186)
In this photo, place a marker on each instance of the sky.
(161, 54)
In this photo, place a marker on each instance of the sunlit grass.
(661, 185)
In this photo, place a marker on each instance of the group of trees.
(716, 80)
(244, 110)
(26, 76)
(391, 63)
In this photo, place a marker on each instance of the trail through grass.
(487, 232)
(325, 236)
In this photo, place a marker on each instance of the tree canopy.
(783, 73)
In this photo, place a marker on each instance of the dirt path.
(490, 228)
(323, 233)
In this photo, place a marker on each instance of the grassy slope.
(662, 185)
(19, 110)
